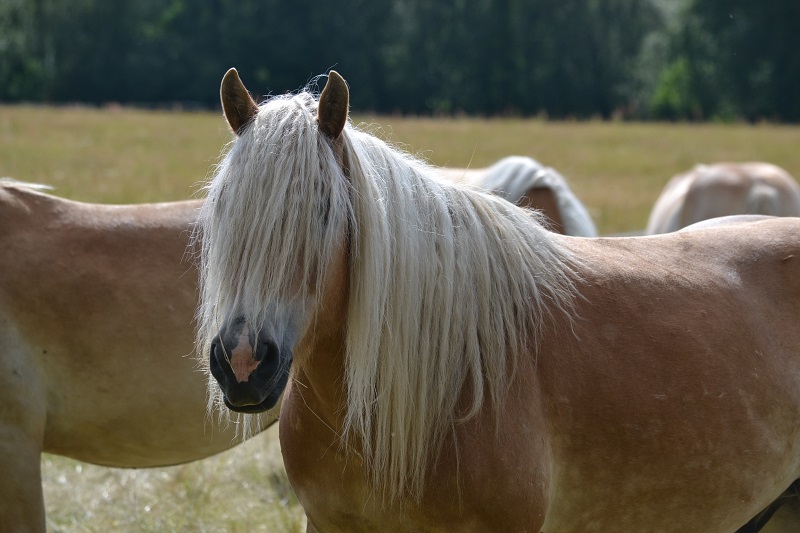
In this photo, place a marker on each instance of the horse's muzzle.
(255, 385)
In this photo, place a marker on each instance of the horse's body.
(451, 366)
(96, 332)
(524, 181)
(680, 416)
(710, 191)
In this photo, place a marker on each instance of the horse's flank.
(96, 336)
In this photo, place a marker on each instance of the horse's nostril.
(265, 346)
(215, 364)
(217, 351)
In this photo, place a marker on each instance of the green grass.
(124, 156)
(616, 169)
(111, 155)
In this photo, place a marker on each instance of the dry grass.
(617, 169)
(119, 155)
(243, 490)
(125, 156)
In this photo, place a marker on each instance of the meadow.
(118, 155)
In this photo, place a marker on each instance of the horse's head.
(274, 239)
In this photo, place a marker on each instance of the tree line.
(639, 59)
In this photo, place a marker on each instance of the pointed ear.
(237, 104)
(334, 103)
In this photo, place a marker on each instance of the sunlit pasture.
(116, 155)
(617, 169)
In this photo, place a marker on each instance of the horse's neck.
(312, 418)
(320, 374)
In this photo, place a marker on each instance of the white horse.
(524, 181)
(96, 337)
(709, 191)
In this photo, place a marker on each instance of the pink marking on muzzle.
(242, 361)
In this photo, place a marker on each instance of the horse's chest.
(327, 479)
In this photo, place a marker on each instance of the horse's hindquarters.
(674, 406)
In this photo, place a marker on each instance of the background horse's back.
(709, 191)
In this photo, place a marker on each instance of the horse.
(448, 364)
(524, 181)
(709, 191)
(782, 515)
(84, 288)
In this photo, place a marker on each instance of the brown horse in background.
(96, 337)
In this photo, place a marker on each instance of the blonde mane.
(448, 285)
(11, 182)
(513, 176)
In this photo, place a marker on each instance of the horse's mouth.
(253, 397)
(265, 405)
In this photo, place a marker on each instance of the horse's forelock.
(270, 219)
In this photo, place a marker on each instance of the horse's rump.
(685, 369)
(710, 191)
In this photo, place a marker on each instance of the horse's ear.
(334, 103)
(237, 104)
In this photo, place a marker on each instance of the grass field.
(617, 169)
(124, 156)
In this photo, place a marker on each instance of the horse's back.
(684, 367)
(752, 188)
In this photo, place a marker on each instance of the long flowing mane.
(513, 176)
(448, 285)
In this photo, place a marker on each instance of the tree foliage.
(562, 58)
(739, 59)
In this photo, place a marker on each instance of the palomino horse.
(83, 289)
(783, 515)
(710, 191)
(526, 182)
(449, 365)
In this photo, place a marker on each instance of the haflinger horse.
(96, 337)
(524, 181)
(450, 365)
(722, 189)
